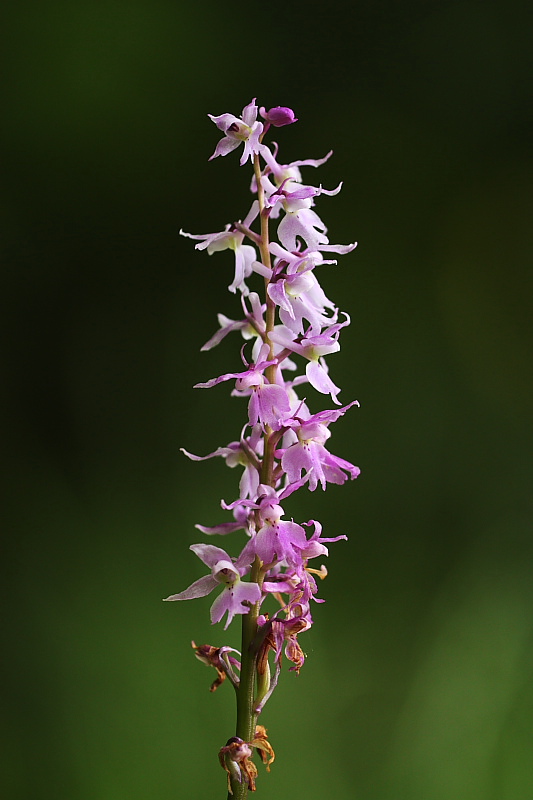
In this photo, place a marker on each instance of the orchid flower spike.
(290, 330)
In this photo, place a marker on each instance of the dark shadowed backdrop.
(418, 682)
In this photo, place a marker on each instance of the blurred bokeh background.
(418, 683)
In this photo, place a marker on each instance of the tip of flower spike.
(278, 116)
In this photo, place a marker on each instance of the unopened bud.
(278, 116)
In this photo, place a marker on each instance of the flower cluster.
(289, 329)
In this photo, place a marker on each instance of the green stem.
(246, 718)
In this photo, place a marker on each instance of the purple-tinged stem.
(246, 714)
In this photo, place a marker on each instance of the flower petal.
(209, 554)
(199, 588)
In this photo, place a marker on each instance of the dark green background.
(418, 683)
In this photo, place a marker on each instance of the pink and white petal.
(252, 144)
(334, 538)
(277, 293)
(253, 408)
(296, 460)
(222, 333)
(232, 601)
(215, 381)
(315, 549)
(278, 586)
(320, 380)
(317, 526)
(246, 592)
(312, 162)
(223, 121)
(288, 230)
(209, 554)
(292, 533)
(249, 113)
(246, 557)
(249, 482)
(249, 257)
(342, 249)
(325, 417)
(318, 471)
(284, 337)
(238, 280)
(330, 192)
(219, 608)
(353, 471)
(333, 474)
(224, 147)
(265, 272)
(200, 588)
(220, 451)
(293, 487)
(280, 252)
(222, 529)
(222, 241)
(251, 215)
(274, 405)
(266, 544)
